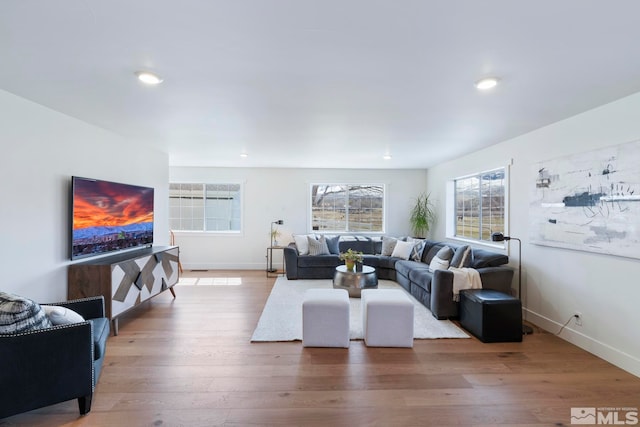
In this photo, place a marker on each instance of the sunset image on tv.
(109, 216)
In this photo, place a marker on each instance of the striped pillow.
(318, 247)
(18, 314)
(462, 257)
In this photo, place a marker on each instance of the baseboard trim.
(603, 350)
(238, 266)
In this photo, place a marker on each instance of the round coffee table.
(355, 281)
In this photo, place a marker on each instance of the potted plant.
(275, 233)
(422, 215)
(350, 258)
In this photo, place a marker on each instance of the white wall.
(41, 150)
(558, 282)
(272, 194)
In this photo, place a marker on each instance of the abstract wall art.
(589, 201)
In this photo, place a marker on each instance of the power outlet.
(578, 316)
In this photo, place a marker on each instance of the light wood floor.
(189, 362)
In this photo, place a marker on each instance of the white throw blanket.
(464, 278)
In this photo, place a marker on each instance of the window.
(479, 205)
(347, 208)
(205, 207)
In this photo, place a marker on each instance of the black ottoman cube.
(491, 316)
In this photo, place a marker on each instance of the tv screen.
(109, 216)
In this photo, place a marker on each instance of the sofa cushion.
(388, 244)
(377, 244)
(483, 258)
(428, 244)
(435, 249)
(356, 243)
(306, 261)
(19, 314)
(385, 261)
(431, 252)
(317, 247)
(100, 335)
(421, 277)
(372, 260)
(404, 267)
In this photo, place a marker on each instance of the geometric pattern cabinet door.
(125, 280)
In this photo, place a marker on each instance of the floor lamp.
(499, 237)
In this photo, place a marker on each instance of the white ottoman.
(325, 318)
(387, 318)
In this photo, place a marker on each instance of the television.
(109, 216)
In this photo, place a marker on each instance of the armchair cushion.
(92, 309)
(100, 334)
(19, 314)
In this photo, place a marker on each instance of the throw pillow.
(388, 244)
(445, 253)
(416, 252)
(19, 314)
(462, 257)
(438, 263)
(441, 260)
(61, 315)
(333, 244)
(402, 249)
(302, 243)
(318, 247)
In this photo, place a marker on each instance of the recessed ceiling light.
(487, 83)
(387, 157)
(244, 155)
(148, 77)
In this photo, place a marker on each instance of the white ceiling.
(320, 83)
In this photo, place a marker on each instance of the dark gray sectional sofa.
(433, 289)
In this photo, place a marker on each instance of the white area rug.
(281, 319)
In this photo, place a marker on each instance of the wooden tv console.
(125, 280)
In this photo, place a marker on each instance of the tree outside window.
(480, 205)
(347, 208)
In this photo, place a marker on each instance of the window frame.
(204, 231)
(451, 212)
(347, 232)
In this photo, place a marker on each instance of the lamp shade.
(499, 237)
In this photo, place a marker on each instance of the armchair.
(52, 365)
